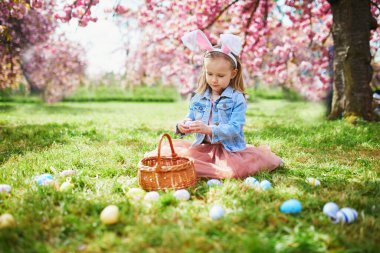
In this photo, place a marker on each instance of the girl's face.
(219, 73)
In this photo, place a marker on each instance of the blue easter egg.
(291, 206)
(42, 178)
(216, 212)
(265, 185)
(251, 182)
(214, 182)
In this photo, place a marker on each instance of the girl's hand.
(199, 127)
(183, 126)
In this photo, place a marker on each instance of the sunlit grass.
(103, 142)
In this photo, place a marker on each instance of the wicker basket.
(162, 172)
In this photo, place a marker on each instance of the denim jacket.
(228, 117)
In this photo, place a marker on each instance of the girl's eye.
(209, 74)
(220, 76)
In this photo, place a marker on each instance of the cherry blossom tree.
(285, 42)
(26, 25)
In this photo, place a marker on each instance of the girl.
(217, 116)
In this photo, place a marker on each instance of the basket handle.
(158, 165)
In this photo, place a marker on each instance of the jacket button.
(216, 124)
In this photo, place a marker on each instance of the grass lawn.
(103, 142)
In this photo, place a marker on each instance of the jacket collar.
(226, 93)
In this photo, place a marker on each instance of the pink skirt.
(213, 161)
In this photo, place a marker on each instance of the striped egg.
(5, 188)
(346, 215)
(313, 181)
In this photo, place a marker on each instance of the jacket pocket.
(198, 109)
(224, 111)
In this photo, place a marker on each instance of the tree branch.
(220, 14)
(255, 5)
(374, 4)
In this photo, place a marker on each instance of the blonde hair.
(237, 82)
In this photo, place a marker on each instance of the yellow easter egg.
(7, 220)
(110, 215)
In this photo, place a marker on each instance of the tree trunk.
(352, 21)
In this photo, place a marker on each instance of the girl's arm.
(234, 126)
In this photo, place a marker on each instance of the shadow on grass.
(6, 108)
(325, 135)
(17, 140)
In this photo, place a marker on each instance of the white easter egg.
(136, 193)
(5, 188)
(265, 185)
(313, 181)
(214, 182)
(251, 182)
(216, 212)
(182, 195)
(346, 215)
(67, 173)
(66, 186)
(7, 220)
(110, 215)
(152, 196)
(330, 209)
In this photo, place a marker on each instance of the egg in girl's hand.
(182, 195)
(313, 181)
(7, 221)
(5, 188)
(214, 182)
(189, 123)
(265, 185)
(110, 215)
(216, 212)
(136, 193)
(152, 196)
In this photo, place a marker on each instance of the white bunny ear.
(196, 40)
(230, 42)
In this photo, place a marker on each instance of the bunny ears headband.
(197, 40)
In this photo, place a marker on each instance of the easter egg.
(216, 212)
(291, 206)
(67, 173)
(346, 215)
(40, 179)
(188, 123)
(136, 193)
(152, 196)
(7, 220)
(265, 185)
(214, 182)
(5, 188)
(110, 215)
(66, 186)
(182, 195)
(330, 209)
(251, 182)
(313, 181)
